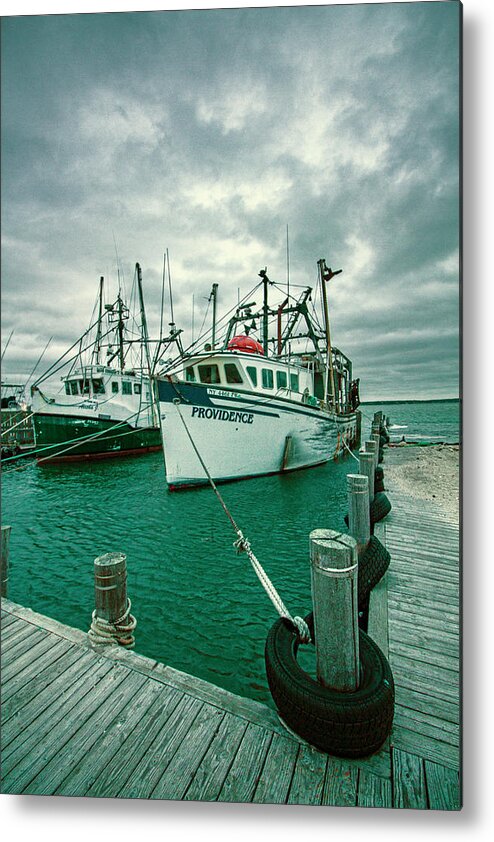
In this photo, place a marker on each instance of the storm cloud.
(207, 133)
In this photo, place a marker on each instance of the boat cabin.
(95, 382)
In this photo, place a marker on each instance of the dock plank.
(27, 705)
(308, 778)
(244, 773)
(213, 768)
(373, 791)
(83, 772)
(443, 787)
(408, 781)
(86, 726)
(179, 773)
(150, 768)
(340, 784)
(42, 739)
(20, 688)
(274, 783)
(110, 781)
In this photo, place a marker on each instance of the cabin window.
(137, 388)
(209, 374)
(98, 387)
(84, 384)
(281, 380)
(232, 373)
(267, 378)
(189, 374)
(252, 372)
(294, 382)
(67, 389)
(114, 387)
(126, 387)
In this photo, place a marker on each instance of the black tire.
(372, 566)
(379, 507)
(379, 473)
(353, 724)
(379, 486)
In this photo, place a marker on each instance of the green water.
(198, 604)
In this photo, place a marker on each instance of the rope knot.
(302, 629)
(242, 544)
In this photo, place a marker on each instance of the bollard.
(112, 622)
(110, 586)
(4, 576)
(377, 438)
(367, 469)
(371, 447)
(358, 510)
(334, 584)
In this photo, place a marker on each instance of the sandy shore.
(428, 473)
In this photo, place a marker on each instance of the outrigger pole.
(97, 344)
(213, 296)
(325, 275)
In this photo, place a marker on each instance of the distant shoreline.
(417, 400)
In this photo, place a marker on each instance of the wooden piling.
(335, 600)
(367, 468)
(358, 510)
(4, 573)
(372, 447)
(110, 586)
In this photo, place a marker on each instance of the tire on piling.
(352, 724)
(379, 507)
(372, 566)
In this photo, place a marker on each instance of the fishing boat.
(104, 406)
(248, 406)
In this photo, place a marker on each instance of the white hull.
(239, 435)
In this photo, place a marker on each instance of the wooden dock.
(109, 723)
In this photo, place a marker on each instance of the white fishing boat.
(246, 407)
(104, 406)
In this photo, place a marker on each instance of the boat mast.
(99, 332)
(265, 309)
(144, 326)
(120, 327)
(213, 295)
(325, 275)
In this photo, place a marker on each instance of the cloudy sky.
(207, 133)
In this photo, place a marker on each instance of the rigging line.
(243, 544)
(37, 364)
(7, 430)
(162, 296)
(203, 336)
(81, 439)
(170, 286)
(7, 343)
(49, 369)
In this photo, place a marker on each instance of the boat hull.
(57, 435)
(239, 435)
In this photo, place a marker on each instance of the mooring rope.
(104, 633)
(350, 451)
(242, 544)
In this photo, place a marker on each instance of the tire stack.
(343, 724)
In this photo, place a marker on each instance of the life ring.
(353, 724)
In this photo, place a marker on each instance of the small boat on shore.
(105, 405)
(246, 407)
